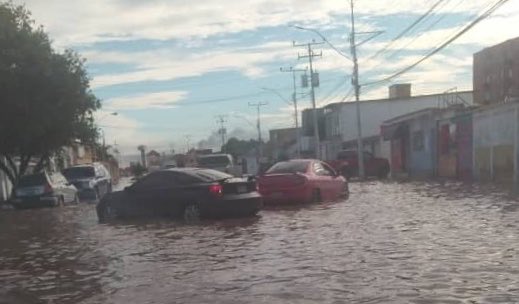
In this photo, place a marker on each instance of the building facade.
(283, 143)
(496, 138)
(340, 121)
(496, 73)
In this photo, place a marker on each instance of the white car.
(221, 162)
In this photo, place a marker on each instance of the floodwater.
(389, 243)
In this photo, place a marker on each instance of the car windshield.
(209, 175)
(289, 167)
(220, 160)
(32, 180)
(79, 172)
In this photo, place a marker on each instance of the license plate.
(241, 189)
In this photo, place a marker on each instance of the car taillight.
(216, 190)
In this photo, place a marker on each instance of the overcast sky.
(168, 67)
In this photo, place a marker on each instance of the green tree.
(45, 96)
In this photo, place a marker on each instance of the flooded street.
(389, 243)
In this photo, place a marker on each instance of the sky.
(168, 68)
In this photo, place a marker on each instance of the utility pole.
(188, 142)
(221, 120)
(356, 87)
(310, 56)
(258, 124)
(294, 101)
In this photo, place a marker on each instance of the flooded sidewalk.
(388, 243)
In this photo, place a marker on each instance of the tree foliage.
(45, 96)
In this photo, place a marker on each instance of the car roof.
(185, 169)
(211, 155)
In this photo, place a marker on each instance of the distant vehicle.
(220, 162)
(93, 181)
(301, 181)
(191, 193)
(44, 190)
(347, 164)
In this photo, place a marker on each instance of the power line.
(426, 30)
(407, 29)
(482, 17)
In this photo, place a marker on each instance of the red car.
(301, 181)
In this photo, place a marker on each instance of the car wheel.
(316, 196)
(192, 212)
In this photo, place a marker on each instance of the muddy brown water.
(388, 243)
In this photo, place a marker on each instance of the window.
(289, 167)
(328, 169)
(418, 141)
(79, 172)
(156, 180)
(367, 156)
(320, 170)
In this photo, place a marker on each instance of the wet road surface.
(389, 243)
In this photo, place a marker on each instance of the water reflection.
(388, 243)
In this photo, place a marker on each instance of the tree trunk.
(41, 163)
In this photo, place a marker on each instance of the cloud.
(159, 100)
(166, 64)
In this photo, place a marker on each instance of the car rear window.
(213, 160)
(32, 180)
(209, 175)
(289, 167)
(79, 172)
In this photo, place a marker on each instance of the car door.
(369, 164)
(337, 183)
(152, 195)
(324, 180)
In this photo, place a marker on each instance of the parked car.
(347, 164)
(190, 193)
(43, 190)
(220, 162)
(93, 181)
(301, 181)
